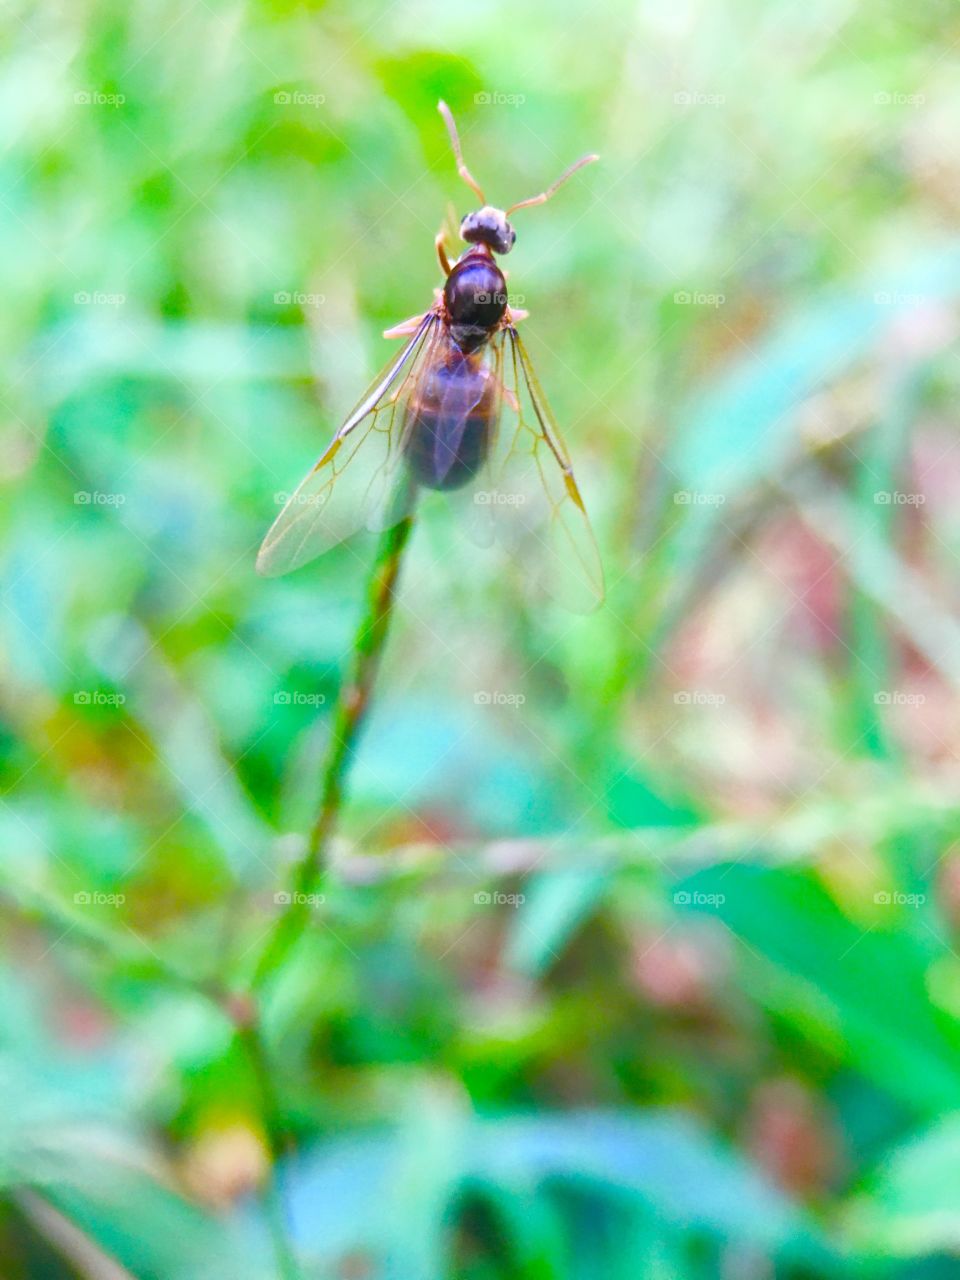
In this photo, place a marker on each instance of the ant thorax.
(475, 298)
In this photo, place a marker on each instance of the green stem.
(252, 1041)
(351, 709)
(355, 696)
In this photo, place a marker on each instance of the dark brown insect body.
(450, 417)
(450, 423)
(475, 299)
(460, 403)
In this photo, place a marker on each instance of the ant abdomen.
(449, 423)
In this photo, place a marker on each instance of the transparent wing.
(534, 503)
(358, 481)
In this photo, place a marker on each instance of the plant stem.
(352, 705)
(351, 709)
(272, 1198)
(355, 696)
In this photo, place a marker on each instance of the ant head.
(489, 226)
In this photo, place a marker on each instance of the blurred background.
(637, 953)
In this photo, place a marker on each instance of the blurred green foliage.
(637, 954)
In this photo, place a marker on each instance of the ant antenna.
(544, 196)
(462, 169)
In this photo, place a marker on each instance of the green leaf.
(361, 1191)
(557, 903)
(121, 1203)
(858, 989)
(911, 1205)
(663, 1160)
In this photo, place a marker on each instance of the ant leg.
(405, 328)
(441, 252)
